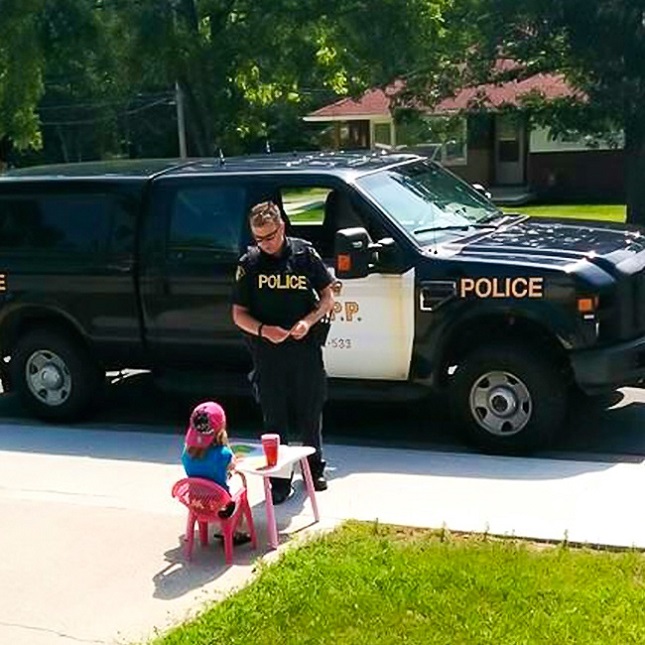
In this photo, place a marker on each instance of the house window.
(353, 135)
(441, 138)
(544, 140)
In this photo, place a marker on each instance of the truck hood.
(551, 242)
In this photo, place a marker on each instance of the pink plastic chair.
(204, 498)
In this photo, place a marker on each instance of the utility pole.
(181, 120)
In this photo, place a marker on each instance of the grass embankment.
(367, 584)
(313, 212)
(606, 212)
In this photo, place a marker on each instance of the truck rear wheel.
(509, 399)
(55, 377)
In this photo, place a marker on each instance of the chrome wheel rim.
(48, 378)
(500, 403)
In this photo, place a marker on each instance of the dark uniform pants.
(292, 388)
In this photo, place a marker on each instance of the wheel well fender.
(470, 333)
(19, 323)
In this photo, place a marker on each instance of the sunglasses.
(269, 237)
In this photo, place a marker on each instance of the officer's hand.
(300, 329)
(274, 333)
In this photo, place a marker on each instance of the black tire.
(509, 399)
(54, 375)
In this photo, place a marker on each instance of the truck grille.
(631, 309)
(638, 286)
(622, 314)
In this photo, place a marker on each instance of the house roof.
(492, 96)
(374, 102)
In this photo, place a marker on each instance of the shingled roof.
(491, 96)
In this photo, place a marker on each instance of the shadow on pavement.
(608, 427)
(180, 576)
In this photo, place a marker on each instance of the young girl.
(207, 453)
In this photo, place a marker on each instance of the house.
(473, 135)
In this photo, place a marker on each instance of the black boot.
(317, 467)
(280, 489)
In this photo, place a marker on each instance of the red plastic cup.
(270, 445)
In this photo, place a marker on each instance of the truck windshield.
(426, 200)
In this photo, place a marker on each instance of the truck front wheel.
(509, 399)
(55, 377)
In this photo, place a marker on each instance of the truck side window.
(317, 212)
(68, 223)
(207, 219)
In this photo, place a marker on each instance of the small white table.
(287, 456)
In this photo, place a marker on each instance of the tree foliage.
(245, 65)
(94, 78)
(83, 90)
(98, 76)
(20, 72)
(599, 45)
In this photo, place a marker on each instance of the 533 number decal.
(339, 343)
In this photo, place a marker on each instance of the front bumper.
(610, 367)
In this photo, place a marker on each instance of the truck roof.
(336, 163)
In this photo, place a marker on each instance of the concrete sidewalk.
(91, 538)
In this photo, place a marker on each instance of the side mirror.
(352, 253)
(482, 191)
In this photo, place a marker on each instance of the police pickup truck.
(116, 265)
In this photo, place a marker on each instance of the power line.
(108, 117)
(97, 103)
(145, 107)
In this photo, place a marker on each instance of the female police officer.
(282, 290)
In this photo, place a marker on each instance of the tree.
(20, 73)
(249, 68)
(79, 111)
(59, 87)
(599, 45)
(102, 73)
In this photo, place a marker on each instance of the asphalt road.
(610, 427)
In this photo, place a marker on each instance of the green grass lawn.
(607, 212)
(293, 194)
(305, 205)
(369, 584)
(313, 211)
(308, 214)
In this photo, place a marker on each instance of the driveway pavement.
(91, 539)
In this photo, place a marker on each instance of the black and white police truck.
(114, 265)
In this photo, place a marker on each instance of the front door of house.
(510, 150)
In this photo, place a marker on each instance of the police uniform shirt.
(281, 290)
